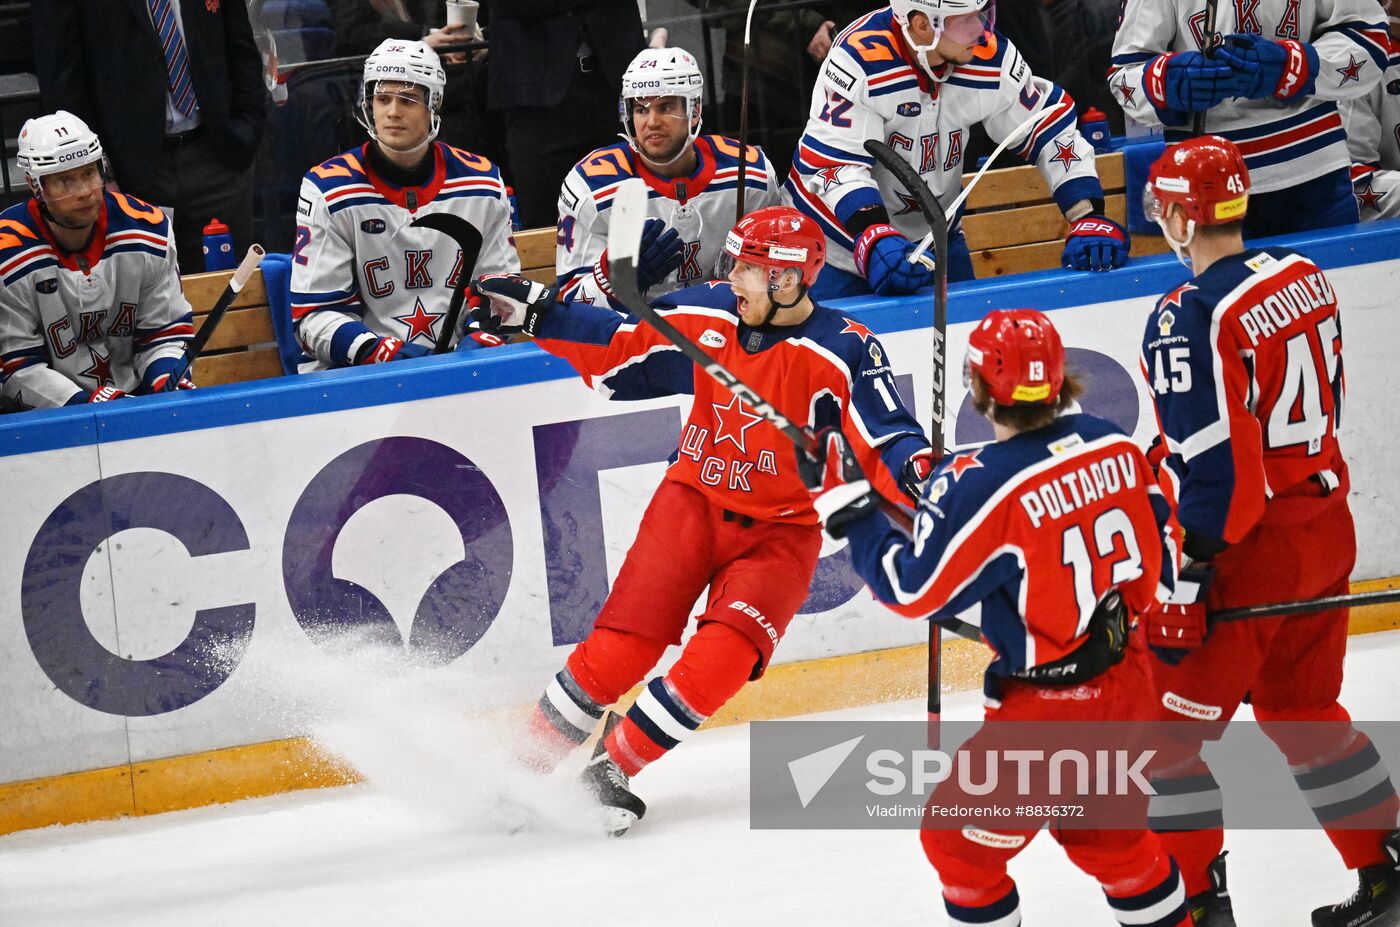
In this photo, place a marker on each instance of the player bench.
(244, 347)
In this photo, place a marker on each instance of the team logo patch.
(938, 489)
(996, 841)
(47, 286)
(1063, 447)
(910, 109)
(1259, 262)
(372, 226)
(713, 339)
(1184, 706)
(877, 357)
(1165, 321)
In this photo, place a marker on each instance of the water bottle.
(514, 209)
(1094, 127)
(218, 247)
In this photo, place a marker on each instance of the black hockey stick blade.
(914, 185)
(468, 239)
(251, 260)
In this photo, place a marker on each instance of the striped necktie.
(177, 63)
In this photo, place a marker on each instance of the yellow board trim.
(256, 770)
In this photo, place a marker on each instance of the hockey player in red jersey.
(744, 520)
(1244, 362)
(998, 526)
(90, 301)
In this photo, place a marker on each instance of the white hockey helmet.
(56, 143)
(662, 72)
(938, 13)
(405, 62)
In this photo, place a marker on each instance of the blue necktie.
(177, 63)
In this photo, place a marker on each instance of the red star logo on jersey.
(962, 463)
(1127, 91)
(1368, 198)
(1064, 154)
(910, 204)
(732, 421)
(420, 322)
(831, 176)
(856, 328)
(1174, 297)
(101, 369)
(1352, 72)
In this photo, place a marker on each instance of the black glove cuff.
(865, 217)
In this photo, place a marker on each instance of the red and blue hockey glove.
(882, 259)
(1095, 243)
(1188, 82)
(1178, 626)
(913, 476)
(833, 475)
(503, 304)
(473, 340)
(105, 394)
(1264, 68)
(384, 350)
(158, 374)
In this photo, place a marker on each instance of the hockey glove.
(660, 253)
(104, 394)
(473, 340)
(832, 473)
(913, 476)
(882, 259)
(1178, 626)
(503, 304)
(1263, 68)
(1189, 82)
(158, 373)
(383, 350)
(1095, 243)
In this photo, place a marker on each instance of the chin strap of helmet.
(1179, 247)
(773, 304)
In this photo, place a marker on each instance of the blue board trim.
(516, 365)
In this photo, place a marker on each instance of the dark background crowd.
(534, 91)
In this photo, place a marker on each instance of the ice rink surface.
(417, 844)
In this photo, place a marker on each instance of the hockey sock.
(713, 667)
(1187, 813)
(997, 910)
(599, 670)
(1347, 792)
(1161, 904)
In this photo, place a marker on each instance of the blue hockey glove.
(389, 349)
(1095, 243)
(473, 340)
(1189, 82)
(833, 475)
(1178, 626)
(881, 258)
(503, 304)
(660, 253)
(1264, 68)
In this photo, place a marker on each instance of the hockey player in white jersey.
(918, 75)
(1373, 136)
(694, 181)
(1272, 88)
(366, 287)
(90, 303)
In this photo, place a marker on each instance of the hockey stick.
(937, 221)
(629, 212)
(1326, 603)
(250, 263)
(744, 112)
(468, 240)
(1198, 122)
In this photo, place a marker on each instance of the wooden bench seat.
(1012, 223)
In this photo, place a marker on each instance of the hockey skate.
(607, 783)
(1211, 908)
(1376, 901)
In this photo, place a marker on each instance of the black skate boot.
(1211, 908)
(607, 783)
(1376, 901)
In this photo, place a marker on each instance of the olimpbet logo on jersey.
(999, 780)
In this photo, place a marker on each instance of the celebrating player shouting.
(694, 181)
(91, 307)
(367, 287)
(1245, 366)
(1057, 530)
(918, 75)
(748, 528)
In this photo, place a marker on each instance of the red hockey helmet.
(1018, 354)
(1205, 176)
(779, 237)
